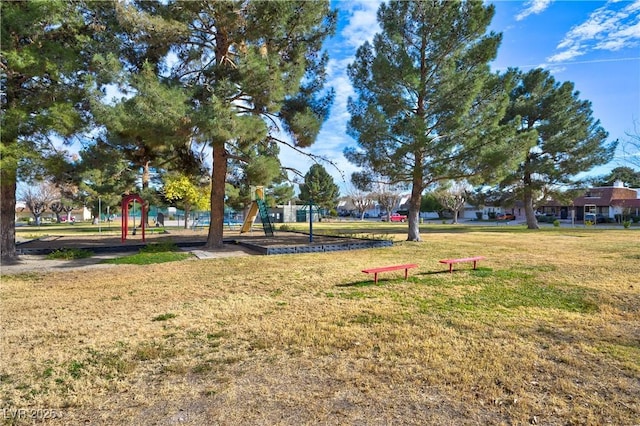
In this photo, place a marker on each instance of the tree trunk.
(187, 210)
(218, 180)
(414, 212)
(68, 210)
(146, 175)
(146, 180)
(532, 222)
(8, 214)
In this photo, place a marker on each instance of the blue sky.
(594, 44)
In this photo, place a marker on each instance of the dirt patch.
(106, 246)
(32, 253)
(39, 263)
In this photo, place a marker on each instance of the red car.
(506, 216)
(395, 217)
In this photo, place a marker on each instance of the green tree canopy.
(431, 203)
(625, 174)
(46, 53)
(319, 187)
(427, 106)
(104, 175)
(257, 165)
(254, 68)
(568, 140)
(148, 126)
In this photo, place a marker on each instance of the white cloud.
(614, 26)
(332, 138)
(567, 55)
(362, 24)
(535, 7)
(621, 38)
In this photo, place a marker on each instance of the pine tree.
(256, 165)
(427, 106)
(567, 139)
(254, 68)
(104, 174)
(319, 188)
(45, 55)
(152, 126)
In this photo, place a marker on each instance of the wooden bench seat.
(376, 271)
(474, 259)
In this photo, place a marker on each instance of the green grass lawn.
(152, 253)
(545, 331)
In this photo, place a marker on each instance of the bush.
(626, 224)
(547, 219)
(556, 223)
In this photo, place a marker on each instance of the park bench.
(376, 271)
(474, 259)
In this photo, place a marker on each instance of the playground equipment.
(125, 215)
(310, 205)
(258, 206)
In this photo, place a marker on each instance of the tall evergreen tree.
(427, 106)
(44, 61)
(256, 165)
(568, 140)
(251, 166)
(280, 194)
(255, 68)
(319, 187)
(104, 174)
(152, 126)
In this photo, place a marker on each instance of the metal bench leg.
(406, 274)
(375, 278)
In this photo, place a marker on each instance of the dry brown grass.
(547, 331)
